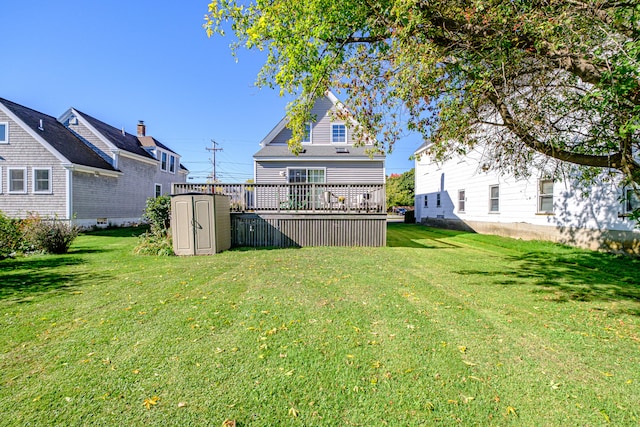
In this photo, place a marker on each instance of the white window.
(41, 180)
(631, 200)
(461, 200)
(545, 196)
(437, 200)
(4, 133)
(338, 133)
(172, 164)
(17, 180)
(163, 161)
(306, 176)
(494, 198)
(158, 191)
(306, 139)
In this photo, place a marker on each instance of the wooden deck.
(296, 215)
(282, 198)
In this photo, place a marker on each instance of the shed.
(200, 224)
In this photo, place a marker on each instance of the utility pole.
(213, 149)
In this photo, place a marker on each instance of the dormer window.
(306, 139)
(338, 133)
(163, 161)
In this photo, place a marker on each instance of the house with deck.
(79, 168)
(466, 193)
(331, 193)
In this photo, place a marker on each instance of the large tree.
(557, 77)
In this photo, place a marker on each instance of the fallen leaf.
(293, 412)
(149, 402)
(511, 411)
(182, 404)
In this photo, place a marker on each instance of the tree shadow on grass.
(573, 276)
(417, 236)
(26, 277)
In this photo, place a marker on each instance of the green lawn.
(437, 328)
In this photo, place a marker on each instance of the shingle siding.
(23, 151)
(123, 197)
(92, 140)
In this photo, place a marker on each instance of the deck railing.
(332, 198)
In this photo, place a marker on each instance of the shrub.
(10, 236)
(157, 213)
(154, 243)
(49, 235)
(157, 241)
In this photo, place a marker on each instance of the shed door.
(203, 222)
(182, 213)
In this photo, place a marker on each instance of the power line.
(213, 149)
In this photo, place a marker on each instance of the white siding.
(518, 201)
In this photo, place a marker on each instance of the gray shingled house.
(79, 168)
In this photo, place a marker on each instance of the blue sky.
(124, 61)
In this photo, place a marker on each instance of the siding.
(92, 140)
(23, 151)
(121, 198)
(337, 172)
(321, 127)
(518, 216)
(297, 230)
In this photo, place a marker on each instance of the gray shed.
(200, 224)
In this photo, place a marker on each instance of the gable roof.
(285, 120)
(54, 134)
(126, 141)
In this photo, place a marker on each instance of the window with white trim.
(163, 161)
(631, 200)
(426, 201)
(306, 139)
(461, 200)
(306, 176)
(158, 190)
(545, 196)
(494, 198)
(172, 164)
(41, 180)
(17, 180)
(4, 133)
(338, 133)
(437, 200)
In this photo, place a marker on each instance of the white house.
(464, 192)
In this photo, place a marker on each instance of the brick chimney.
(142, 129)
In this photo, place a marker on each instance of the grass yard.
(437, 328)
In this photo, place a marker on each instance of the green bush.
(10, 236)
(154, 243)
(157, 213)
(49, 235)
